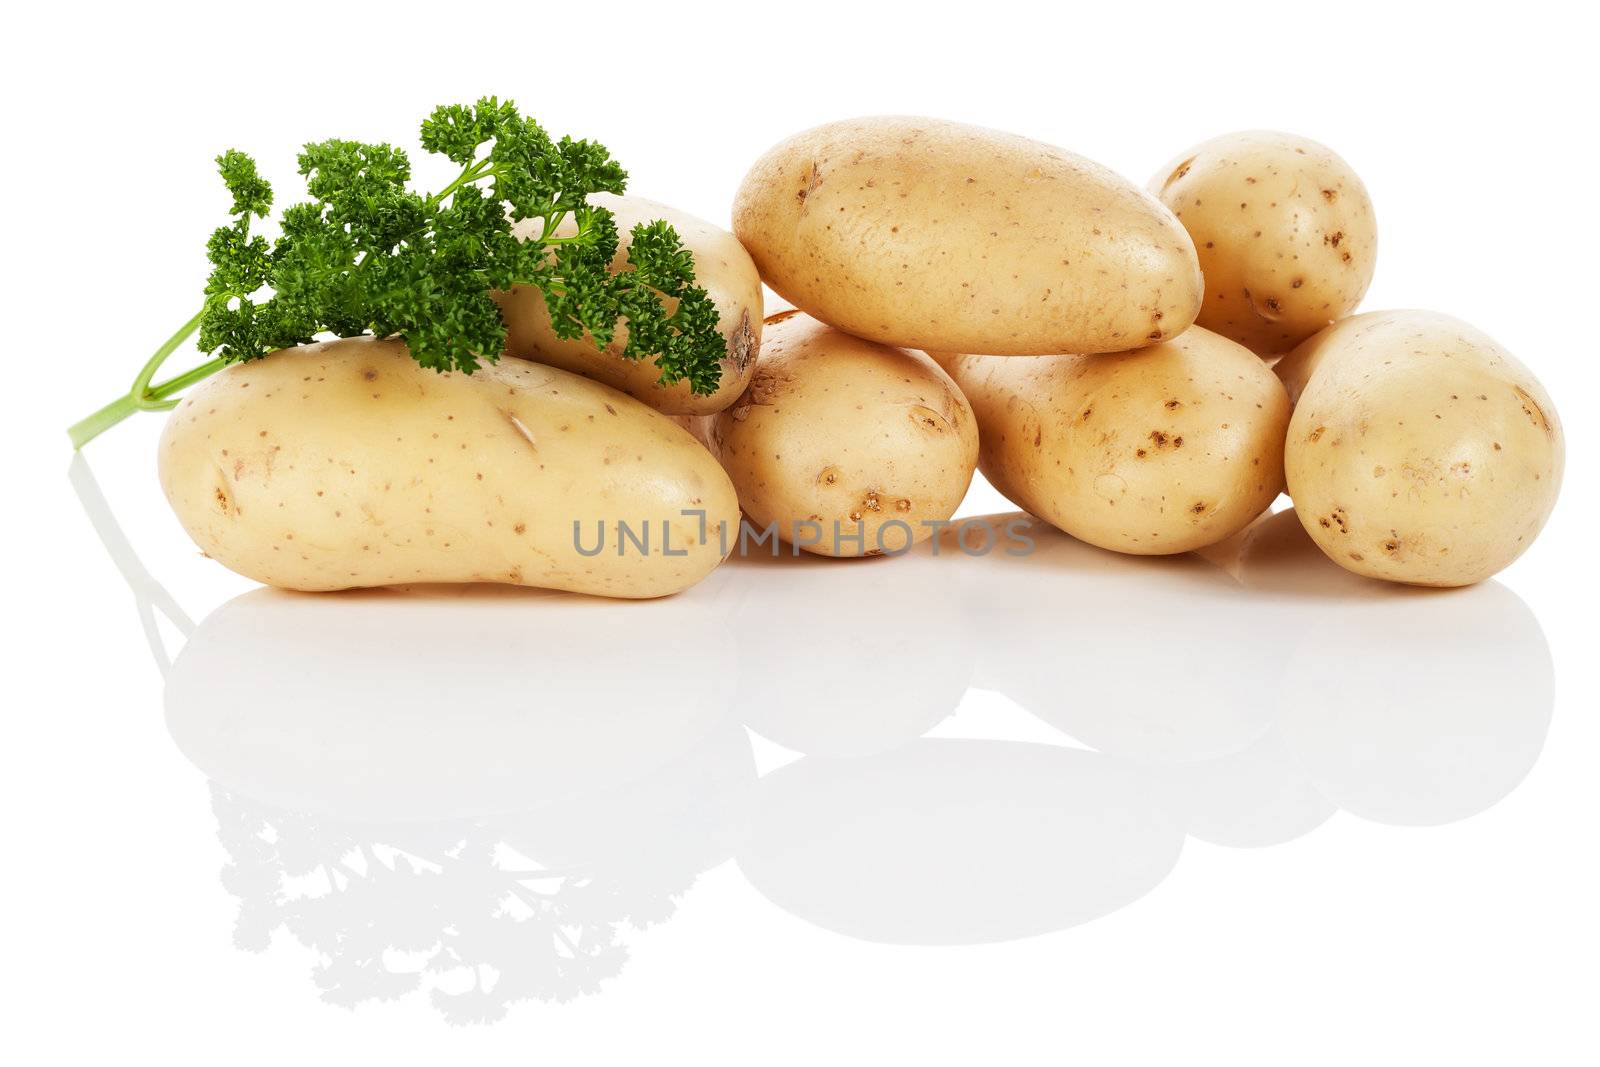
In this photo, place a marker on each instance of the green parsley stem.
(474, 172)
(142, 396)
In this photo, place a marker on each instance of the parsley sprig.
(365, 254)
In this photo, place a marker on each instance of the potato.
(934, 235)
(1420, 450)
(851, 446)
(346, 464)
(1285, 231)
(722, 268)
(1161, 450)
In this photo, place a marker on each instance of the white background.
(1357, 941)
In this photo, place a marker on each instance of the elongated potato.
(1285, 231)
(1420, 450)
(345, 464)
(722, 268)
(1165, 449)
(848, 448)
(934, 235)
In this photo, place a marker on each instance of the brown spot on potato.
(1531, 408)
(742, 345)
(1265, 308)
(813, 181)
(779, 316)
(928, 419)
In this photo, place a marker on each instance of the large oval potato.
(721, 267)
(848, 447)
(1285, 232)
(1420, 450)
(345, 464)
(1165, 449)
(934, 235)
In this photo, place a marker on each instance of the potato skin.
(722, 268)
(835, 429)
(930, 234)
(1285, 231)
(344, 464)
(1420, 450)
(1160, 450)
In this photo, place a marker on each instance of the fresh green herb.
(367, 255)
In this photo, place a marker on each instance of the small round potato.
(722, 268)
(934, 235)
(1285, 232)
(846, 447)
(1420, 450)
(346, 464)
(1161, 450)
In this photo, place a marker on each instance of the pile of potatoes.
(1146, 369)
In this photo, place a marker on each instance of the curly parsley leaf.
(365, 254)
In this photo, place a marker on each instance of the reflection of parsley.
(428, 905)
(367, 255)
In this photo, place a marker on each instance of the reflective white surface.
(1238, 809)
(472, 798)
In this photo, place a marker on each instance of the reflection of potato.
(957, 842)
(1403, 705)
(820, 673)
(1155, 659)
(686, 816)
(1427, 729)
(1249, 799)
(384, 707)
